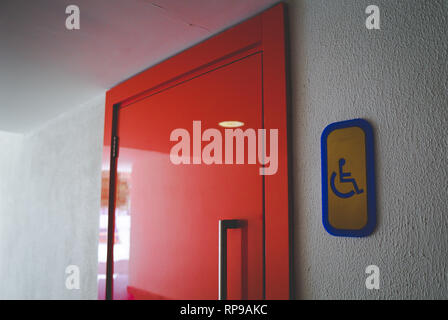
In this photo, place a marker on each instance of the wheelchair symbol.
(344, 177)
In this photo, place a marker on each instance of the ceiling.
(46, 70)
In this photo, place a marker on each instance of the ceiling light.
(231, 124)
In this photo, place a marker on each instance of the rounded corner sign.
(348, 179)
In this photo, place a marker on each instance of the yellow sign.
(348, 186)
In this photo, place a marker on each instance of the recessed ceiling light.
(231, 124)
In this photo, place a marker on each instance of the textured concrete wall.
(10, 147)
(10, 157)
(397, 79)
(49, 208)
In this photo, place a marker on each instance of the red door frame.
(264, 33)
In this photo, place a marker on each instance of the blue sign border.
(370, 174)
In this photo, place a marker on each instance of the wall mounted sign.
(348, 179)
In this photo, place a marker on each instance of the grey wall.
(397, 79)
(10, 153)
(49, 208)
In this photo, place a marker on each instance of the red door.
(203, 228)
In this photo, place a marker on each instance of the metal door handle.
(223, 226)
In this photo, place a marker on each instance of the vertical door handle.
(223, 226)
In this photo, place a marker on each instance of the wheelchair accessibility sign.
(348, 179)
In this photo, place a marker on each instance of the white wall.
(10, 173)
(49, 211)
(397, 79)
(10, 147)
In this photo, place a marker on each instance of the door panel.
(167, 235)
(197, 84)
